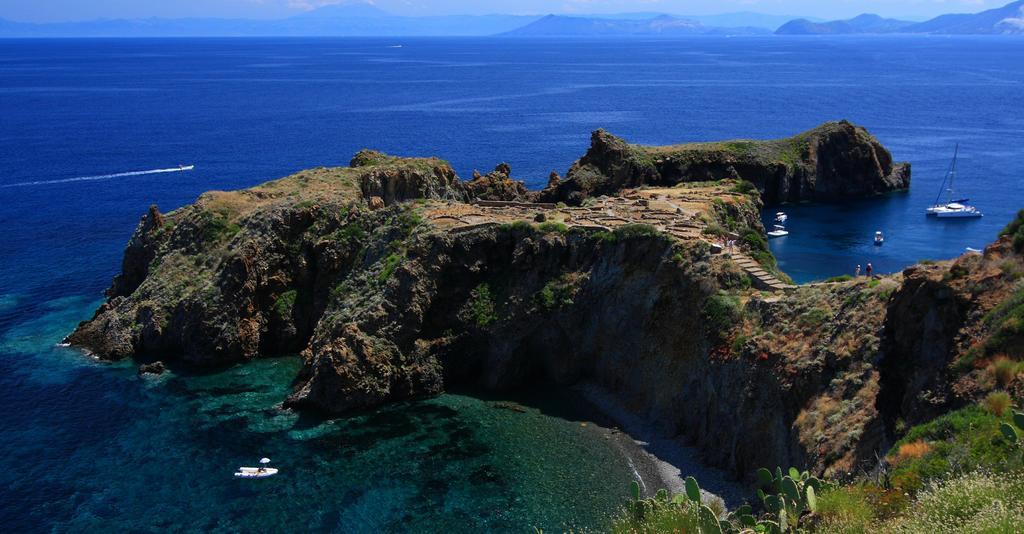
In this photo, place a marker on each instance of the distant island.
(366, 20)
(1006, 20)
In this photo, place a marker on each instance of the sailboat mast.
(952, 171)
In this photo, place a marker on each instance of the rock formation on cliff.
(835, 162)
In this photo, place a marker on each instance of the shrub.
(217, 226)
(285, 303)
(391, 264)
(521, 226)
(1004, 370)
(1006, 322)
(745, 188)
(481, 306)
(554, 227)
(961, 441)
(840, 278)
(997, 402)
(722, 312)
(973, 502)
(682, 513)
(846, 510)
(814, 318)
(635, 230)
(1016, 230)
(557, 293)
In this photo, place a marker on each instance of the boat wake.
(182, 168)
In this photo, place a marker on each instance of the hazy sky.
(58, 10)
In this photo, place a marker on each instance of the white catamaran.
(953, 208)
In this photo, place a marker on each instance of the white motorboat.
(879, 239)
(781, 218)
(257, 472)
(186, 167)
(952, 208)
(779, 231)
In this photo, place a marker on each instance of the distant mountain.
(355, 20)
(724, 20)
(660, 26)
(1008, 19)
(746, 19)
(861, 24)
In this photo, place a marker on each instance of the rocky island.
(394, 279)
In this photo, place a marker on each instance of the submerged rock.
(155, 368)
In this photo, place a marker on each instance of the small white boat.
(953, 208)
(186, 167)
(257, 472)
(879, 239)
(779, 231)
(781, 218)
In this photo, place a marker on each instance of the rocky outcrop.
(387, 304)
(497, 185)
(396, 179)
(834, 162)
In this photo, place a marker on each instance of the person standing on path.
(856, 273)
(868, 270)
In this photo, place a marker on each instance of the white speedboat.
(779, 231)
(952, 208)
(781, 218)
(186, 167)
(257, 472)
(879, 239)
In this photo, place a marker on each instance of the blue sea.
(86, 446)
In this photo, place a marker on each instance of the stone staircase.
(762, 279)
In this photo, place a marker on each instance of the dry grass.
(916, 449)
(1004, 370)
(997, 402)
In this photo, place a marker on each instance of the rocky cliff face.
(834, 162)
(385, 303)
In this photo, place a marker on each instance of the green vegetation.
(390, 264)
(481, 306)
(633, 231)
(285, 303)
(681, 513)
(1016, 231)
(958, 442)
(744, 187)
(1005, 340)
(553, 227)
(840, 278)
(217, 226)
(558, 292)
(814, 318)
(722, 312)
(521, 226)
(972, 502)
(846, 510)
(962, 472)
(787, 496)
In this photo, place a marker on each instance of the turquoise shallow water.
(114, 451)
